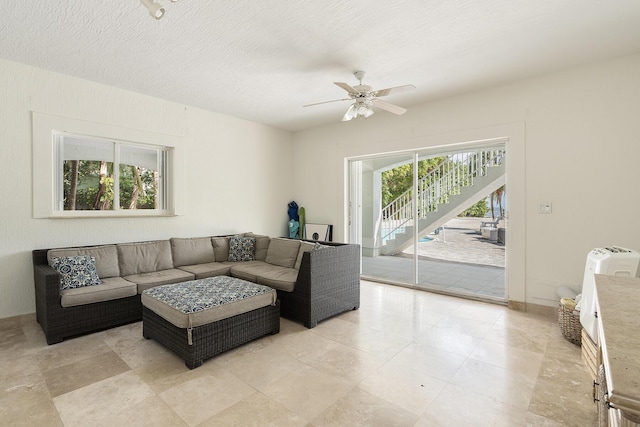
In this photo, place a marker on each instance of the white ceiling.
(263, 60)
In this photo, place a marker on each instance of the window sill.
(110, 214)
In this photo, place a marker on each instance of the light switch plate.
(545, 208)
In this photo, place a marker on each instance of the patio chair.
(492, 224)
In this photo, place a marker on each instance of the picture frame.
(318, 232)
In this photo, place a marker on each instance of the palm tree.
(70, 201)
(137, 187)
(497, 196)
(105, 190)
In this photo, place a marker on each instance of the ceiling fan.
(364, 97)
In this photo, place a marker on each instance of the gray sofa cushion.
(110, 288)
(156, 278)
(197, 250)
(145, 257)
(106, 258)
(283, 279)
(220, 248)
(210, 269)
(304, 247)
(262, 245)
(283, 252)
(250, 270)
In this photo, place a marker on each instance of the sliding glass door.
(381, 214)
(422, 219)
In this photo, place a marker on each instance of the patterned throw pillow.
(241, 248)
(76, 271)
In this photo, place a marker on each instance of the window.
(96, 174)
(111, 171)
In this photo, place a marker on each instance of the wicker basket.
(569, 321)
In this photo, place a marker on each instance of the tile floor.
(406, 358)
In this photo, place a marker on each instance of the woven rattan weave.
(213, 338)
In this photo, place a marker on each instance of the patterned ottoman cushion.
(199, 302)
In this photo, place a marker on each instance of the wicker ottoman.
(201, 318)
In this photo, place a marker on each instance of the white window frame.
(46, 164)
(162, 163)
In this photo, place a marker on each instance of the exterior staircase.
(452, 187)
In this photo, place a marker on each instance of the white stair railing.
(445, 180)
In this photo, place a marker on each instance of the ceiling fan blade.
(348, 88)
(326, 102)
(392, 108)
(394, 90)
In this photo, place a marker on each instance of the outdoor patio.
(457, 261)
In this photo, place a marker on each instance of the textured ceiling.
(262, 61)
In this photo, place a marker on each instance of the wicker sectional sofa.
(313, 282)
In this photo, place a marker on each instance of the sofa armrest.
(330, 267)
(328, 282)
(47, 281)
(47, 290)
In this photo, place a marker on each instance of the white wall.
(582, 148)
(235, 179)
(580, 151)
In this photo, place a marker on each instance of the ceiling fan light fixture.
(155, 9)
(351, 113)
(364, 110)
(358, 109)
